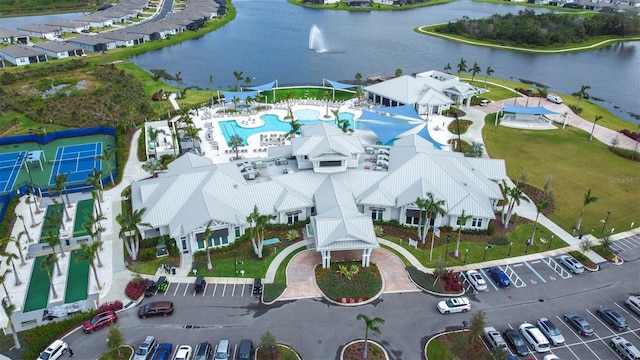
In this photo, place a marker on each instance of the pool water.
(274, 123)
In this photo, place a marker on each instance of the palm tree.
(249, 100)
(434, 208)
(192, 132)
(94, 229)
(152, 166)
(5, 241)
(597, 118)
(295, 128)
(207, 234)
(370, 324)
(252, 219)
(447, 68)
(124, 220)
(475, 69)
(211, 88)
(588, 199)
(398, 73)
(343, 124)
(247, 81)
(3, 280)
(581, 94)
(10, 260)
(487, 73)
(8, 310)
(106, 156)
(475, 150)
(178, 79)
(60, 187)
(52, 240)
(358, 78)
(48, 261)
(96, 200)
(421, 204)
(462, 220)
(95, 179)
(326, 97)
(235, 101)
(462, 66)
(238, 76)
(90, 253)
(516, 194)
(505, 189)
(136, 223)
(541, 206)
(261, 221)
(24, 226)
(235, 141)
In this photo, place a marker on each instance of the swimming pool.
(273, 122)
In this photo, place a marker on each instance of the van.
(535, 337)
(493, 338)
(245, 350)
(200, 283)
(222, 350)
(633, 303)
(624, 348)
(554, 98)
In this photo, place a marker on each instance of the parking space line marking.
(569, 348)
(205, 289)
(468, 288)
(177, 287)
(224, 288)
(215, 287)
(535, 272)
(601, 322)
(553, 264)
(484, 274)
(167, 290)
(187, 288)
(507, 270)
(242, 292)
(233, 290)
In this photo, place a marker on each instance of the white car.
(183, 353)
(571, 263)
(550, 331)
(550, 357)
(534, 337)
(453, 305)
(54, 351)
(476, 280)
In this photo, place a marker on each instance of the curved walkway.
(597, 45)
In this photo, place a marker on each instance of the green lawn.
(575, 164)
(438, 350)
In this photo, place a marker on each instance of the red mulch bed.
(354, 352)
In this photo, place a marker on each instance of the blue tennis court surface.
(10, 164)
(77, 160)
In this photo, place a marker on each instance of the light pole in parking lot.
(604, 222)
(487, 247)
(235, 262)
(466, 252)
(510, 246)
(550, 241)
(526, 249)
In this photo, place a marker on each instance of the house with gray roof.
(21, 55)
(429, 92)
(95, 20)
(70, 25)
(339, 200)
(13, 37)
(123, 38)
(41, 31)
(93, 43)
(59, 49)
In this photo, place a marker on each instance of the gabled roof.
(325, 142)
(56, 46)
(339, 225)
(18, 51)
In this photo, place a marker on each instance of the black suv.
(257, 286)
(203, 351)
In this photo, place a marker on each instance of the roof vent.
(465, 184)
(235, 186)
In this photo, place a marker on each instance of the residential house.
(93, 43)
(13, 37)
(70, 26)
(20, 55)
(59, 49)
(123, 38)
(41, 31)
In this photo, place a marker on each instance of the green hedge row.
(38, 338)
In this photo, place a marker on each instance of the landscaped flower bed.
(364, 284)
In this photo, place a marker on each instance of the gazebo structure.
(522, 117)
(339, 226)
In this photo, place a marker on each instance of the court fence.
(25, 187)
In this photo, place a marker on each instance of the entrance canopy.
(230, 95)
(538, 110)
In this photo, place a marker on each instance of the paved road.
(317, 329)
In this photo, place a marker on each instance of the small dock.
(377, 77)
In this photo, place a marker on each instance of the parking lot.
(628, 248)
(580, 347)
(235, 291)
(526, 273)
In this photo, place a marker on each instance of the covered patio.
(521, 117)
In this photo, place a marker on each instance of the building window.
(376, 214)
(219, 241)
(237, 231)
(292, 217)
(476, 223)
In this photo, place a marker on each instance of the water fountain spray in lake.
(316, 40)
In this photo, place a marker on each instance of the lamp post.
(235, 262)
(526, 249)
(510, 246)
(446, 254)
(466, 252)
(604, 222)
(487, 247)
(550, 241)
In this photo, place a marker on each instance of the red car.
(99, 321)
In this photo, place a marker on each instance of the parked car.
(571, 263)
(454, 305)
(551, 331)
(151, 288)
(99, 321)
(476, 280)
(54, 351)
(245, 350)
(184, 352)
(499, 276)
(550, 357)
(534, 337)
(222, 350)
(157, 308)
(257, 286)
(163, 352)
(624, 348)
(203, 351)
(146, 349)
(579, 324)
(633, 304)
(617, 321)
(493, 338)
(516, 342)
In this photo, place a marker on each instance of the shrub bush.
(135, 289)
(147, 254)
(625, 153)
(452, 282)
(39, 337)
(634, 135)
(502, 240)
(113, 306)
(424, 280)
(365, 284)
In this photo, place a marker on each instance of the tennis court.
(10, 164)
(77, 160)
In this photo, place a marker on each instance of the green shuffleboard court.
(83, 212)
(77, 278)
(38, 293)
